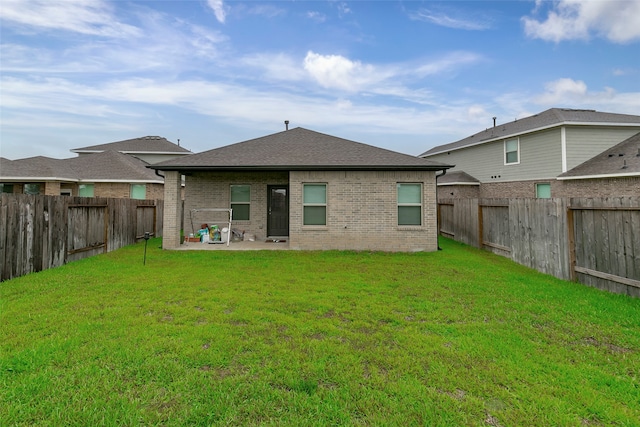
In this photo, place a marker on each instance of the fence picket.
(40, 232)
(606, 236)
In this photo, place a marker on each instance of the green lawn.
(456, 337)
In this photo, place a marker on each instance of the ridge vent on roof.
(152, 137)
(577, 109)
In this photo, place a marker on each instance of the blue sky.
(402, 75)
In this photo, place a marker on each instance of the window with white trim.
(543, 190)
(241, 202)
(409, 204)
(86, 190)
(139, 191)
(314, 204)
(512, 151)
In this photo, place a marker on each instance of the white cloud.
(567, 92)
(616, 20)
(448, 62)
(316, 16)
(274, 67)
(343, 8)
(447, 20)
(160, 37)
(336, 71)
(218, 9)
(94, 17)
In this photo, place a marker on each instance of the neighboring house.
(117, 169)
(524, 158)
(150, 149)
(615, 171)
(106, 174)
(315, 190)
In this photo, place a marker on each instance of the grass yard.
(455, 338)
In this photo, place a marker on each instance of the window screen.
(138, 191)
(543, 190)
(511, 151)
(86, 190)
(409, 204)
(314, 201)
(241, 202)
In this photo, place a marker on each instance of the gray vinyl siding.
(584, 142)
(540, 158)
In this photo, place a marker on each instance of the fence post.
(480, 225)
(572, 244)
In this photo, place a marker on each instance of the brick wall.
(605, 187)
(172, 210)
(122, 190)
(361, 208)
(212, 191)
(362, 212)
(458, 192)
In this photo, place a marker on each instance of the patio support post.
(172, 210)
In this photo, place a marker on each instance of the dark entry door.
(278, 214)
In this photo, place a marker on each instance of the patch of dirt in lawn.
(611, 347)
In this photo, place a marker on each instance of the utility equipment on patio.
(205, 216)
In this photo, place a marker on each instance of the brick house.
(525, 157)
(615, 171)
(316, 190)
(117, 169)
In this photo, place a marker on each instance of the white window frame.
(399, 204)
(517, 151)
(548, 184)
(232, 203)
(132, 186)
(304, 205)
(87, 186)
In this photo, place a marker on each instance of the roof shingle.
(145, 144)
(299, 149)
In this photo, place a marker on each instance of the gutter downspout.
(159, 174)
(444, 171)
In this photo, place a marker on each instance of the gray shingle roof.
(299, 149)
(145, 144)
(40, 167)
(104, 166)
(549, 118)
(457, 177)
(621, 159)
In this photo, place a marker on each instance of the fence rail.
(41, 232)
(594, 241)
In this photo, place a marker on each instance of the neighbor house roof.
(107, 166)
(145, 144)
(547, 119)
(620, 160)
(299, 149)
(457, 178)
(37, 168)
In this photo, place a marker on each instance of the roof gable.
(622, 159)
(299, 149)
(547, 119)
(145, 144)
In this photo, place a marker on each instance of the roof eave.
(286, 168)
(600, 176)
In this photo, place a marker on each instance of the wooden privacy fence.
(41, 232)
(594, 241)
